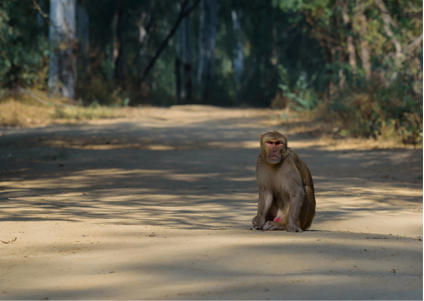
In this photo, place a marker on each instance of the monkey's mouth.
(273, 157)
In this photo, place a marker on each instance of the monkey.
(286, 190)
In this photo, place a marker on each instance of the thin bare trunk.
(187, 55)
(349, 40)
(118, 51)
(210, 47)
(342, 76)
(83, 35)
(238, 58)
(201, 42)
(207, 71)
(144, 23)
(330, 56)
(178, 39)
(62, 73)
(365, 49)
(178, 78)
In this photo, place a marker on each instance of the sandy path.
(83, 200)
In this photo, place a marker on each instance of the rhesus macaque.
(286, 191)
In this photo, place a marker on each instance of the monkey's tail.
(309, 211)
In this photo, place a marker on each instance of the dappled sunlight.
(129, 206)
(195, 263)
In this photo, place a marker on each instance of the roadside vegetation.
(354, 68)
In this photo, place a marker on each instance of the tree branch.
(183, 14)
(414, 43)
(382, 7)
(387, 20)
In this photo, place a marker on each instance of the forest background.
(354, 64)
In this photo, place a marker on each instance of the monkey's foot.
(293, 228)
(273, 226)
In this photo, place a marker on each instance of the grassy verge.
(24, 111)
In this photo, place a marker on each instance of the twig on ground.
(10, 241)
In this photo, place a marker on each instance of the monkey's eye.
(277, 143)
(269, 142)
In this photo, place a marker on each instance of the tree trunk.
(201, 43)
(342, 76)
(207, 71)
(238, 58)
(144, 23)
(330, 56)
(210, 46)
(178, 78)
(40, 17)
(62, 73)
(119, 43)
(365, 49)
(83, 35)
(187, 59)
(387, 20)
(178, 47)
(349, 41)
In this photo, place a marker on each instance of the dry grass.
(24, 111)
(17, 113)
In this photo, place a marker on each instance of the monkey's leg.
(296, 201)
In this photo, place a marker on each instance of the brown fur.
(286, 189)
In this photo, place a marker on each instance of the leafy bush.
(24, 49)
(303, 97)
(377, 110)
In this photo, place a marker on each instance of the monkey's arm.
(264, 203)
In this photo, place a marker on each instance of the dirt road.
(159, 206)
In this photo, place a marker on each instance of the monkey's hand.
(273, 226)
(257, 223)
(293, 228)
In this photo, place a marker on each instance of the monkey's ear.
(285, 137)
(260, 139)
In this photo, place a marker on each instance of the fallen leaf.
(153, 234)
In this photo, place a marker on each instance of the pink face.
(273, 150)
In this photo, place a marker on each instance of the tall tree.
(187, 58)
(211, 8)
(119, 43)
(238, 52)
(83, 37)
(62, 72)
(365, 49)
(351, 50)
(178, 88)
(201, 42)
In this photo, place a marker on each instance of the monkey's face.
(273, 146)
(273, 150)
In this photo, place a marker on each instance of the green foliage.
(303, 96)
(24, 47)
(372, 109)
